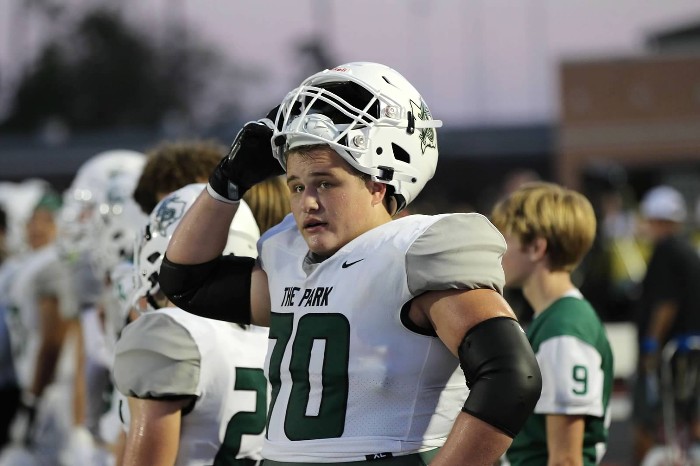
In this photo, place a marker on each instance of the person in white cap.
(667, 308)
(665, 204)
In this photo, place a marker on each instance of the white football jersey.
(170, 352)
(39, 274)
(351, 376)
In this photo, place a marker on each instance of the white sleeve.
(459, 251)
(156, 357)
(572, 377)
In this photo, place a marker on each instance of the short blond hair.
(563, 217)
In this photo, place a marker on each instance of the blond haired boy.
(548, 231)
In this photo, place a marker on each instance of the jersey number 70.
(334, 331)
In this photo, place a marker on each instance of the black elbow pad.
(502, 374)
(218, 289)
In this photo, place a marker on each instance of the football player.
(195, 387)
(98, 226)
(368, 317)
(41, 336)
(16, 203)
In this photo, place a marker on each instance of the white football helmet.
(116, 300)
(150, 250)
(372, 117)
(118, 222)
(89, 189)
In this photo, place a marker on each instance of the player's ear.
(378, 191)
(537, 248)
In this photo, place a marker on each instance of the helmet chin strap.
(152, 299)
(393, 205)
(384, 174)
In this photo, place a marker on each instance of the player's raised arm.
(202, 234)
(194, 275)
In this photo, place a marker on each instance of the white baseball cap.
(664, 203)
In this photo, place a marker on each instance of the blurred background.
(600, 96)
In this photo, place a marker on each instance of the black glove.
(272, 114)
(249, 162)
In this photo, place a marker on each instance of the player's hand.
(649, 355)
(80, 449)
(650, 362)
(249, 161)
(23, 425)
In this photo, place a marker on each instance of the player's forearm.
(152, 450)
(565, 440)
(565, 460)
(53, 331)
(202, 234)
(661, 321)
(47, 359)
(154, 433)
(472, 442)
(79, 387)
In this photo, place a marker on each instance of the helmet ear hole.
(154, 257)
(400, 154)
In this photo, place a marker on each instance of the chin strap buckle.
(387, 173)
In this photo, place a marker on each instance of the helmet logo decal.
(426, 135)
(169, 212)
(114, 195)
(115, 192)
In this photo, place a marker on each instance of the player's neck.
(545, 286)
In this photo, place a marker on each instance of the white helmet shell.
(150, 250)
(90, 189)
(118, 222)
(372, 117)
(91, 180)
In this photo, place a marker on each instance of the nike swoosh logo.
(348, 264)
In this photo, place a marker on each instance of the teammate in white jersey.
(368, 317)
(95, 232)
(169, 165)
(549, 229)
(16, 203)
(197, 394)
(41, 337)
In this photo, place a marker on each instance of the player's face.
(41, 228)
(654, 230)
(517, 263)
(331, 204)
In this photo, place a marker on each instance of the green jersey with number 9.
(576, 362)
